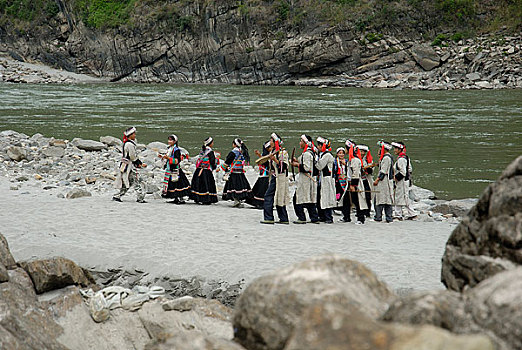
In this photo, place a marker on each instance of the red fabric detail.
(277, 148)
(124, 138)
(350, 153)
(382, 153)
(171, 159)
(403, 153)
(369, 157)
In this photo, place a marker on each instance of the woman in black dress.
(258, 191)
(203, 187)
(175, 183)
(237, 187)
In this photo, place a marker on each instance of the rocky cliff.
(411, 44)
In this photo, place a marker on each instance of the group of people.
(324, 182)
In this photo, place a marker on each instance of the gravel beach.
(213, 242)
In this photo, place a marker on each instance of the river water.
(458, 141)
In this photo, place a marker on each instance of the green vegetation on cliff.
(426, 17)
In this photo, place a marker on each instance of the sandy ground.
(214, 242)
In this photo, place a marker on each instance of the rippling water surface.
(458, 140)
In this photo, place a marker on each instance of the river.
(458, 141)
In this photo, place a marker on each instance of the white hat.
(363, 148)
(130, 131)
(208, 141)
(398, 145)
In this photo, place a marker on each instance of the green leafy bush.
(105, 13)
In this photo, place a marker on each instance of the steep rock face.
(223, 45)
(489, 238)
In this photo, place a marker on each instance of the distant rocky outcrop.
(489, 239)
(235, 42)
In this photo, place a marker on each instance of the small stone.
(16, 153)
(22, 178)
(14, 188)
(90, 180)
(38, 177)
(473, 76)
(88, 145)
(484, 84)
(78, 193)
(54, 151)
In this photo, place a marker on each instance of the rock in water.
(327, 326)
(16, 153)
(55, 273)
(457, 207)
(488, 240)
(88, 145)
(267, 311)
(6, 258)
(78, 193)
(111, 141)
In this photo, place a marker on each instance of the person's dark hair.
(244, 151)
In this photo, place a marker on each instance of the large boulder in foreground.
(270, 307)
(327, 326)
(56, 273)
(184, 340)
(24, 324)
(489, 239)
(493, 307)
(6, 258)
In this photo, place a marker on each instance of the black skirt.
(178, 189)
(203, 187)
(258, 192)
(237, 187)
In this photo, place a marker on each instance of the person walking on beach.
(237, 187)
(306, 189)
(175, 182)
(128, 176)
(342, 180)
(326, 183)
(402, 169)
(356, 185)
(203, 186)
(366, 176)
(384, 184)
(278, 192)
(258, 191)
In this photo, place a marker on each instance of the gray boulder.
(327, 326)
(488, 239)
(456, 207)
(184, 340)
(425, 56)
(4, 274)
(6, 259)
(88, 145)
(56, 273)
(78, 193)
(493, 307)
(418, 194)
(54, 152)
(157, 146)
(111, 141)
(16, 153)
(24, 323)
(268, 310)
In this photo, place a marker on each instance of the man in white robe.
(128, 176)
(306, 188)
(326, 200)
(402, 170)
(384, 184)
